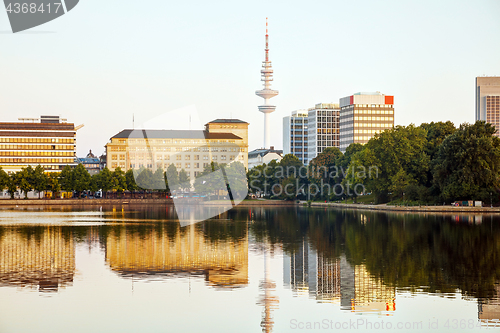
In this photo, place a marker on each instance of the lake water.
(135, 269)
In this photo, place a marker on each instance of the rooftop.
(228, 121)
(172, 134)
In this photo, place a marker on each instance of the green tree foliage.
(40, 180)
(236, 179)
(53, 184)
(467, 165)
(4, 179)
(130, 180)
(184, 180)
(144, 178)
(172, 178)
(81, 179)
(210, 180)
(66, 179)
(104, 181)
(118, 180)
(390, 161)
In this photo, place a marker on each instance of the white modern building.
(323, 129)
(295, 135)
(363, 115)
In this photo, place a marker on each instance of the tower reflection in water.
(42, 258)
(309, 273)
(152, 253)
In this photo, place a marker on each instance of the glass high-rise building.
(488, 100)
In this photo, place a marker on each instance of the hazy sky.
(106, 60)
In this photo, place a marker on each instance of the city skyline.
(102, 77)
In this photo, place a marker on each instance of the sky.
(106, 63)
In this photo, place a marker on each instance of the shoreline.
(162, 201)
(432, 209)
(246, 203)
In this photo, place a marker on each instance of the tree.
(39, 180)
(118, 180)
(210, 180)
(184, 180)
(237, 181)
(467, 165)
(53, 184)
(81, 179)
(172, 177)
(130, 180)
(390, 159)
(23, 180)
(159, 182)
(66, 179)
(4, 179)
(104, 180)
(144, 178)
(324, 169)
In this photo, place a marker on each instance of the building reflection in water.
(489, 309)
(42, 258)
(158, 254)
(266, 298)
(309, 273)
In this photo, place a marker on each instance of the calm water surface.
(134, 269)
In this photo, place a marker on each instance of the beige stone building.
(222, 141)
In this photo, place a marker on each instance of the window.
(188, 165)
(187, 157)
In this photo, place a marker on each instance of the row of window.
(37, 160)
(36, 153)
(36, 140)
(166, 157)
(366, 131)
(38, 147)
(374, 118)
(383, 125)
(165, 141)
(178, 149)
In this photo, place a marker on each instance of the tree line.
(79, 180)
(431, 163)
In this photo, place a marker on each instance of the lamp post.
(491, 201)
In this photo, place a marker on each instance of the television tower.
(267, 93)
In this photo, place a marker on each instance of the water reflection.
(359, 262)
(42, 258)
(149, 252)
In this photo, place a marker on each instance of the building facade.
(260, 156)
(323, 129)
(488, 100)
(222, 141)
(91, 163)
(48, 141)
(295, 135)
(363, 115)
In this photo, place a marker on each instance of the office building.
(222, 141)
(363, 115)
(295, 135)
(323, 129)
(48, 141)
(488, 100)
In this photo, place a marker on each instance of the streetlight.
(491, 201)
